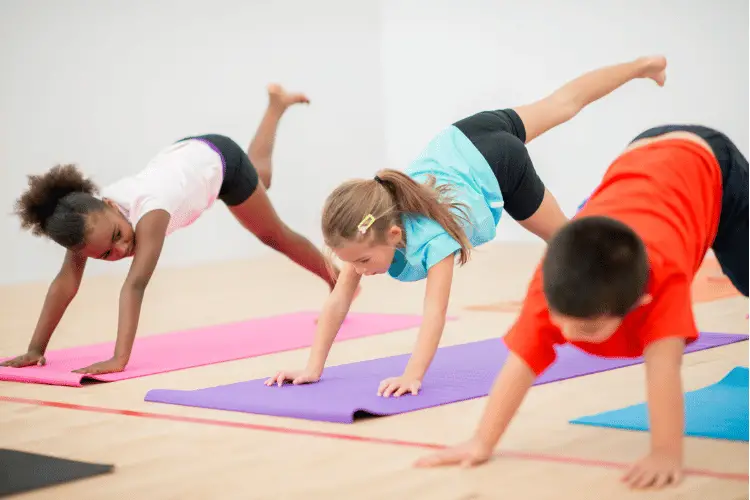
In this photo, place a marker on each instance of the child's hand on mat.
(398, 386)
(656, 470)
(110, 366)
(29, 359)
(468, 454)
(296, 377)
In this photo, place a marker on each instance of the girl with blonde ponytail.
(416, 224)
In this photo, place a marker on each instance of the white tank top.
(183, 179)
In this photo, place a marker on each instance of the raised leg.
(567, 101)
(547, 219)
(261, 147)
(257, 215)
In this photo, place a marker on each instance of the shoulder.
(423, 233)
(427, 244)
(670, 310)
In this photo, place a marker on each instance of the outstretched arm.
(567, 101)
(437, 296)
(507, 394)
(333, 315)
(150, 234)
(663, 465)
(61, 292)
(329, 323)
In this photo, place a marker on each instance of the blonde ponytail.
(386, 197)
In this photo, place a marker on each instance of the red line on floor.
(349, 437)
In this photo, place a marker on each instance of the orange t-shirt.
(669, 192)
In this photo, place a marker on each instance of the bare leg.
(261, 148)
(257, 215)
(567, 101)
(547, 219)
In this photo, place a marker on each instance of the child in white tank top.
(133, 216)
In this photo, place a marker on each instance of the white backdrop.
(444, 59)
(107, 83)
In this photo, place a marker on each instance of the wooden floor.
(541, 456)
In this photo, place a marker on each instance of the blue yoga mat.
(719, 411)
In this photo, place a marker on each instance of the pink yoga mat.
(202, 346)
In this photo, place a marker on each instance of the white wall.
(107, 83)
(444, 59)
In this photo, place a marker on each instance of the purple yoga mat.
(347, 392)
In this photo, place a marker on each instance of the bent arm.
(61, 293)
(150, 234)
(332, 316)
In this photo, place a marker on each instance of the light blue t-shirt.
(452, 159)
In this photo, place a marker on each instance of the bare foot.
(277, 96)
(655, 68)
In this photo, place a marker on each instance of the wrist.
(410, 375)
(34, 349)
(413, 372)
(484, 441)
(121, 358)
(668, 449)
(314, 369)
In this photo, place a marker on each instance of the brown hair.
(56, 205)
(386, 197)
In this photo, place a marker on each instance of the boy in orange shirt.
(615, 282)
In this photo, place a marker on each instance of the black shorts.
(500, 137)
(731, 243)
(240, 177)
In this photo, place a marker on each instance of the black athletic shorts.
(500, 137)
(240, 177)
(731, 243)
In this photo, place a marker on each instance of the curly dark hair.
(56, 203)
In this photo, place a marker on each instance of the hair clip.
(366, 223)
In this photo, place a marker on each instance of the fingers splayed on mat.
(296, 377)
(31, 358)
(654, 471)
(112, 365)
(398, 386)
(471, 453)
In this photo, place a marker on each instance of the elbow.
(273, 239)
(569, 108)
(565, 105)
(136, 285)
(65, 288)
(438, 314)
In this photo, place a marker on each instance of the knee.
(276, 238)
(271, 239)
(263, 168)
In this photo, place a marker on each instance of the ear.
(645, 300)
(394, 235)
(109, 203)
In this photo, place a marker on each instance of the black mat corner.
(21, 471)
